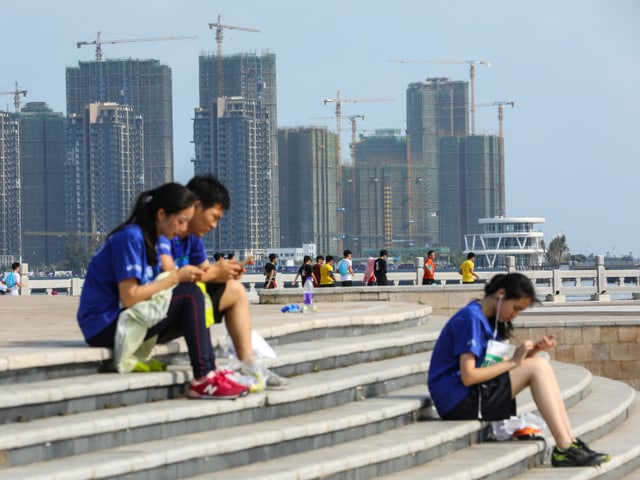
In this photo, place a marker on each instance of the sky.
(572, 67)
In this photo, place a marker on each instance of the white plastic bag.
(261, 349)
(527, 425)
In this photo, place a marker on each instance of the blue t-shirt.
(186, 251)
(468, 331)
(122, 256)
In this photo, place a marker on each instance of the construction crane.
(98, 42)
(500, 106)
(219, 27)
(501, 183)
(352, 145)
(472, 76)
(339, 101)
(16, 96)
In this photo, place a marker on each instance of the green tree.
(78, 255)
(558, 251)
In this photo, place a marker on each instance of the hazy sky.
(572, 67)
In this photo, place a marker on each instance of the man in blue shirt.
(228, 295)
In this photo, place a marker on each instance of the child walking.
(463, 389)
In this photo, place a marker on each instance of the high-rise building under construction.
(43, 155)
(309, 209)
(235, 139)
(144, 85)
(105, 167)
(436, 107)
(10, 191)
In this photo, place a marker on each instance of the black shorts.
(215, 291)
(494, 398)
(427, 281)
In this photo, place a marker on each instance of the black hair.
(307, 258)
(471, 255)
(346, 252)
(272, 257)
(329, 258)
(383, 252)
(319, 257)
(170, 197)
(210, 191)
(515, 286)
(217, 256)
(15, 265)
(430, 252)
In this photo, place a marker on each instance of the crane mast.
(16, 96)
(219, 28)
(501, 181)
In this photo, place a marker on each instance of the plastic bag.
(524, 427)
(261, 349)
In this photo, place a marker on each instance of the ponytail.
(170, 197)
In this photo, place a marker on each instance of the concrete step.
(621, 443)
(69, 434)
(389, 453)
(606, 409)
(69, 395)
(26, 362)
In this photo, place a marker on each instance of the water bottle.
(307, 303)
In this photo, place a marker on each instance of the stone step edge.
(488, 463)
(66, 388)
(477, 466)
(357, 414)
(572, 389)
(84, 354)
(621, 443)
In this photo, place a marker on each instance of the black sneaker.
(574, 456)
(601, 457)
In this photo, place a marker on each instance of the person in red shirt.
(429, 269)
(316, 270)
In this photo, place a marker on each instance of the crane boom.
(98, 42)
(219, 28)
(16, 96)
(472, 74)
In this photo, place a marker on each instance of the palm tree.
(558, 251)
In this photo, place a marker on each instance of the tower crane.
(500, 106)
(16, 96)
(501, 184)
(339, 101)
(472, 76)
(219, 27)
(98, 42)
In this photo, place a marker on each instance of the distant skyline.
(571, 68)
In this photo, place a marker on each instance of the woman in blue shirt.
(120, 275)
(463, 388)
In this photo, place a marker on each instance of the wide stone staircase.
(357, 407)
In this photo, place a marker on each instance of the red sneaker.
(216, 385)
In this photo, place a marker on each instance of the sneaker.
(601, 457)
(216, 385)
(251, 377)
(575, 456)
(275, 381)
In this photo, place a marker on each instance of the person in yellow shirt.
(327, 277)
(466, 269)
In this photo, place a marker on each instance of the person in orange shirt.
(429, 269)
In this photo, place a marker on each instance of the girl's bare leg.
(537, 374)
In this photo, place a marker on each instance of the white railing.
(597, 283)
